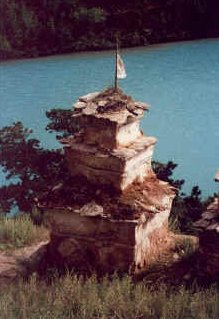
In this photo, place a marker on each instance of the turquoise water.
(180, 81)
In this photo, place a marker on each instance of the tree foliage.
(186, 208)
(165, 173)
(61, 122)
(29, 168)
(33, 28)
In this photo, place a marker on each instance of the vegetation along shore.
(46, 27)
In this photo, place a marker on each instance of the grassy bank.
(19, 232)
(72, 297)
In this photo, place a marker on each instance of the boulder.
(21, 263)
(208, 227)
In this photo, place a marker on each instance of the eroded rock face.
(150, 236)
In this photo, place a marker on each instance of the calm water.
(180, 81)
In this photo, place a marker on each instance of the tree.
(33, 28)
(194, 204)
(186, 208)
(61, 122)
(165, 173)
(30, 169)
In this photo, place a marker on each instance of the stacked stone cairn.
(208, 227)
(112, 214)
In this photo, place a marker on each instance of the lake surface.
(180, 81)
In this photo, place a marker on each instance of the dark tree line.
(31, 28)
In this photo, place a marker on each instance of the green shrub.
(20, 231)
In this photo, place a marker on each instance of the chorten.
(112, 213)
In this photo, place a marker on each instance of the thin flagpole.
(116, 66)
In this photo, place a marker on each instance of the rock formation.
(208, 227)
(21, 263)
(112, 214)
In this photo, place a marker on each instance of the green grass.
(72, 297)
(19, 232)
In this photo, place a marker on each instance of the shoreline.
(98, 50)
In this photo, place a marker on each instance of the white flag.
(217, 176)
(121, 73)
